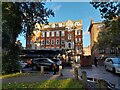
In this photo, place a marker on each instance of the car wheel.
(34, 67)
(114, 70)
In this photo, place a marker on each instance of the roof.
(92, 23)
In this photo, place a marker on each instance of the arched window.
(69, 45)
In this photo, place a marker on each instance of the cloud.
(86, 32)
(56, 8)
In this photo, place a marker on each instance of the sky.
(74, 11)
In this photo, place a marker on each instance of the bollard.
(60, 70)
(102, 84)
(42, 70)
(76, 73)
(84, 79)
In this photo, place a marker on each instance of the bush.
(9, 63)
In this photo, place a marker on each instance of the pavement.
(93, 72)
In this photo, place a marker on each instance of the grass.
(18, 75)
(66, 83)
(14, 75)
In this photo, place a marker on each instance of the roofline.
(89, 29)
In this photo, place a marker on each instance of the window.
(77, 23)
(48, 34)
(78, 32)
(53, 25)
(42, 42)
(62, 33)
(56, 25)
(69, 36)
(57, 33)
(79, 39)
(52, 33)
(47, 42)
(62, 41)
(100, 27)
(43, 34)
(57, 42)
(101, 51)
(112, 51)
(75, 40)
(53, 42)
(75, 32)
(60, 24)
(76, 48)
(69, 45)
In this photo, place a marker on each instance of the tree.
(32, 13)
(18, 18)
(108, 10)
(109, 37)
(11, 27)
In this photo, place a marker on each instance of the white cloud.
(86, 32)
(56, 8)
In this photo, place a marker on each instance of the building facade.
(86, 51)
(94, 29)
(59, 35)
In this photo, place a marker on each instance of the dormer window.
(60, 24)
(53, 25)
(77, 23)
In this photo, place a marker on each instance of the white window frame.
(57, 33)
(76, 40)
(69, 36)
(43, 34)
(62, 42)
(48, 34)
(75, 32)
(47, 42)
(52, 42)
(79, 39)
(78, 32)
(62, 33)
(57, 43)
(52, 33)
(43, 42)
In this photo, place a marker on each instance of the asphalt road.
(100, 73)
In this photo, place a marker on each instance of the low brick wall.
(86, 61)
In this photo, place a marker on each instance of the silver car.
(112, 64)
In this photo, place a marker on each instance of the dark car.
(58, 62)
(46, 62)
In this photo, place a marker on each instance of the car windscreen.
(50, 60)
(116, 60)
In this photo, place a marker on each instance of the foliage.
(108, 10)
(66, 83)
(11, 27)
(109, 37)
(32, 13)
(18, 17)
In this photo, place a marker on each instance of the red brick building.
(59, 35)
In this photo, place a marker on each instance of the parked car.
(23, 64)
(58, 62)
(112, 64)
(46, 62)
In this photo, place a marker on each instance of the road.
(101, 73)
(93, 72)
